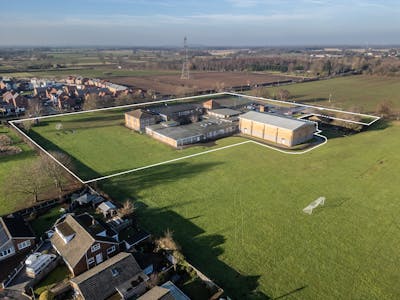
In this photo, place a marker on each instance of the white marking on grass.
(116, 107)
(376, 118)
(165, 162)
(47, 153)
(193, 155)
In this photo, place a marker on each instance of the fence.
(20, 266)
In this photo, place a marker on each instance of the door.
(99, 258)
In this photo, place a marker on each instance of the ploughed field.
(199, 81)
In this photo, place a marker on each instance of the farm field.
(101, 145)
(91, 72)
(347, 92)
(199, 81)
(238, 215)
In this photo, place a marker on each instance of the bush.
(46, 295)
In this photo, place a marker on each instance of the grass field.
(347, 92)
(238, 216)
(8, 200)
(238, 212)
(101, 145)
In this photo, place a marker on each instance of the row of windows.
(110, 250)
(24, 244)
(6, 252)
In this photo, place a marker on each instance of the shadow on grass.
(80, 168)
(201, 249)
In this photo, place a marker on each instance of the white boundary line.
(166, 162)
(47, 153)
(376, 118)
(117, 107)
(12, 123)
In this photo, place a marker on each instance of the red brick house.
(16, 236)
(15, 99)
(84, 242)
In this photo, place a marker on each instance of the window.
(90, 261)
(24, 244)
(114, 272)
(111, 250)
(95, 247)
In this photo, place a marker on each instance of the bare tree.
(127, 209)
(168, 244)
(54, 170)
(27, 125)
(28, 180)
(35, 108)
(263, 92)
(385, 108)
(94, 101)
(283, 94)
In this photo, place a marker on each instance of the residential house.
(84, 242)
(15, 99)
(16, 236)
(120, 274)
(167, 291)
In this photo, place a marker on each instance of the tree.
(35, 108)
(27, 125)
(283, 94)
(29, 180)
(263, 92)
(46, 295)
(385, 108)
(94, 101)
(127, 209)
(54, 170)
(168, 244)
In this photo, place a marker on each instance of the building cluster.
(103, 253)
(189, 123)
(64, 95)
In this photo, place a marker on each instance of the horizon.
(227, 23)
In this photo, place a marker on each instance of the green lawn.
(44, 222)
(57, 275)
(101, 144)
(238, 212)
(238, 216)
(347, 92)
(8, 200)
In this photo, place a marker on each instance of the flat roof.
(275, 120)
(191, 130)
(226, 112)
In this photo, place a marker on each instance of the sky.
(238, 23)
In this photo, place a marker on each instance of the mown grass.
(238, 212)
(364, 92)
(9, 200)
(57, 275)
(101, 145)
